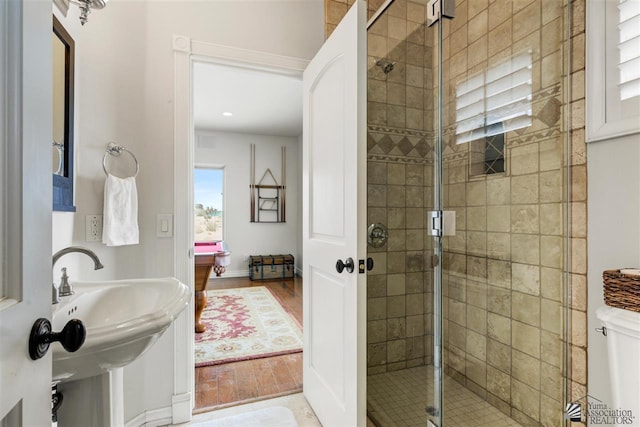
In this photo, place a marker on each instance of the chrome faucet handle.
(65, 288)
(55, 294)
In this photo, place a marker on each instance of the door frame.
(186, 51)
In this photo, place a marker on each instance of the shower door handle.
(348, 264)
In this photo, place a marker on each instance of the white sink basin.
(123, 319)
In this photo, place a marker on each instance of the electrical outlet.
(93, 228)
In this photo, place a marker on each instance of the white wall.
(231, 151)
(124, 93)
(613, 236)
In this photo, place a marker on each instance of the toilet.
(623, 346)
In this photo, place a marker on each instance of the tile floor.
(400, 398)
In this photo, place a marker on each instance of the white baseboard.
(298, 272)
(227, 274)
(181, 408)
(152, 418)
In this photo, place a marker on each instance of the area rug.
(243, 324)
(276, 416)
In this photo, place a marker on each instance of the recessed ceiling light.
(227, 114)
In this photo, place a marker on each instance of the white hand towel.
(120, 226)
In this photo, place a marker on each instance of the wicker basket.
(621, 290)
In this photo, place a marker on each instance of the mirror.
(62, 119)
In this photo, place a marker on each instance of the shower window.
(486, 155)
(496, 101)
(208, 198)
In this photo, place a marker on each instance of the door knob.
(369, 264)
(348, 264)
(71, 337)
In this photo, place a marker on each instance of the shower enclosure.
(468, 198)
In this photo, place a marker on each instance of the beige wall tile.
(499, 301)
(526, 278)
(476, 193)
(551, 280)
(526, 369)
(578, 219)
(499, 328)
(499, 191)
(525, 248)
(524, 189)
(477, 218)
(525, 338)
(499, 383)
(551, 186)
(551, 219)
(499, 273)
(579, 292)
(525, 219)
(500, 37)
(551, 411)
(499, 355)
(396, 351)
(376, 308)
(551, 251)
(525, 308)
(524, 159)
(396, 328)
(579, 256)
(551, 348)
(476, 345)
(477, 320)
(551, 315)
(551, 381)
(376, 331)
(499, 218)
(551, 154)
(526, 399)
(578, 328)
(499, 11)
(578, 364)
(396, 195)
(476, 371)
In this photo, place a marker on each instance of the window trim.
(601, 121)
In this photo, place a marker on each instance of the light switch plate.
(164, 225)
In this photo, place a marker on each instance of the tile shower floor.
(400, 398)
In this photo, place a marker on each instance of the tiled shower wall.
(503, 271)
(400, 174)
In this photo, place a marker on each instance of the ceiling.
(261, 102)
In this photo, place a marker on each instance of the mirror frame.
(63, 185)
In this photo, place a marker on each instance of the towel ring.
(115, 150)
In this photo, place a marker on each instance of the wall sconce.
(84, 5)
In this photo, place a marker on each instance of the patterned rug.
(243, 324)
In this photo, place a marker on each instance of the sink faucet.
(65, 288)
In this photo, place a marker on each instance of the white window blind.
(629, 48)
(496, 101)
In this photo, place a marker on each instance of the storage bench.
(266, 267)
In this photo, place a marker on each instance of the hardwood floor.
(250, 380)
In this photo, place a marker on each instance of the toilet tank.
(623, 347)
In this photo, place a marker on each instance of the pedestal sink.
(123, 319)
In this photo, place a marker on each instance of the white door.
(25, 208)
(334, 224)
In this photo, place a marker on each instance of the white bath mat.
(276, 416)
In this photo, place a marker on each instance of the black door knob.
(348, 264)
(71, 337)
(369, 264)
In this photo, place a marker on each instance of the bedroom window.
(208, 185)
